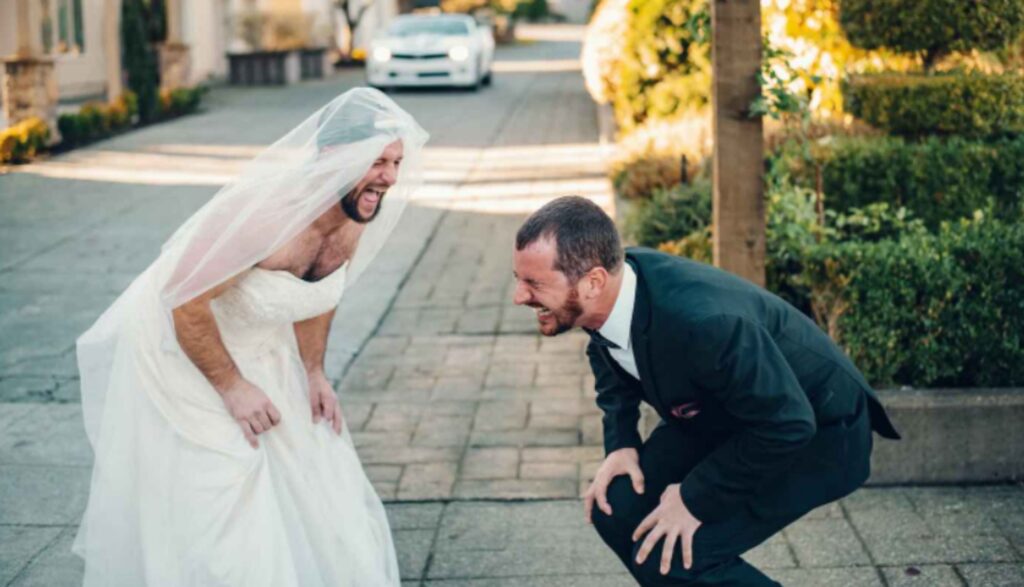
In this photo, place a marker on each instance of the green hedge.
(532, 10)
(141, 65)
(677, 221)
(670, 214)
(180, 101)
(639, 175)
(932, 25)
(666, 66)
(943, 309)
(967, 104)
(95, 121)
(937, 179)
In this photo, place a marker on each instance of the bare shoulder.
(210, 294)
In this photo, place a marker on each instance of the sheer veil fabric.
(175, 499)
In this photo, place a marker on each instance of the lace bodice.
(268, 299)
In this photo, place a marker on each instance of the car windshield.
(407, 27)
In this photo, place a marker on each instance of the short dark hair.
(585, 237)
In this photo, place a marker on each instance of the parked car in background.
(431, 50)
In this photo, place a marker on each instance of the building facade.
(61, 52)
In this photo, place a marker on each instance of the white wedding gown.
(178, 496)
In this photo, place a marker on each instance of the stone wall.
(30, 90)
(175, 65)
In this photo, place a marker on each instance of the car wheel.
(487, 78)
(475, 86)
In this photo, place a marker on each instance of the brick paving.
(479, 433)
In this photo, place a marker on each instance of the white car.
(433, 50)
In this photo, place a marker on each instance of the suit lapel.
(641, 339)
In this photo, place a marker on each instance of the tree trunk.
(739, 222)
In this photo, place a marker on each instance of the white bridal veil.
(276, 196)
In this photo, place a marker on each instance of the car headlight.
(381, 54)
(458, 53)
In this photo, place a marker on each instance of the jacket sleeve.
(737, 364)
(619, 402)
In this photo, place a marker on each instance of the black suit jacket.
(739, 365)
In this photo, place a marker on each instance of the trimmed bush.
(532, 10)
(678, 221)
(666, 66)
(639, 177)
(794, 227)
(968, 104)
(932, 27)
(943, 309)
(670, 214)
(936, 179)
(95, 121)
(180, 101)
(140, 60)
(20, 143)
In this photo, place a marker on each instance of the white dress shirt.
(617, 327)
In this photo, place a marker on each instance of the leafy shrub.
(911, 307)
(968, 104)
(20, 143)
(532, 10)
(810, 31)
(180, 101)
(936, 179)
(140, 60)
(641, 176)
(927, 309)
(666, 65)
(697, 246)
(932, 27)
(795, 226)
(670, 214)
(791, 228)
(678, 221)
(96, 120)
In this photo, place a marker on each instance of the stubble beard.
(350, 206)
(566, 316)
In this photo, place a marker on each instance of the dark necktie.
(599, 340)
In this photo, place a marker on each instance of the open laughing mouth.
(542, 313)
(372, 195)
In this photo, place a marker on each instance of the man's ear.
(596, 280)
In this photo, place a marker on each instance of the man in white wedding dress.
(220, 452)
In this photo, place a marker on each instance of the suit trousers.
(669, 455)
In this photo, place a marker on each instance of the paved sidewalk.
(479, 433)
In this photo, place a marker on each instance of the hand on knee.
(627, 509)
(649, 572)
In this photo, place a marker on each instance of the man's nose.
(390, 175)
(521, 294)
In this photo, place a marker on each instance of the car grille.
(420, 57)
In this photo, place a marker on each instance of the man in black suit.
(763, 417)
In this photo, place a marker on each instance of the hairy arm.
(199, 337)
(198, 334)
(312, 338)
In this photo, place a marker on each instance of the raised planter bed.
(949, 436)
(264, 68)
(952, 436)
(311, 63)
